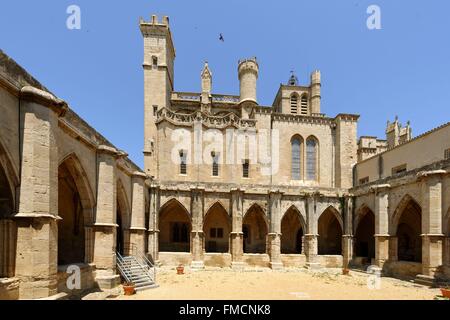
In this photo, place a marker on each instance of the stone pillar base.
(431, 253)
(106, 280)
(276, 265)
(237, 266)
(313, 266)
(381, 249)
(197, 265)
(425, 280)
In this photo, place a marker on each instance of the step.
(150, 286)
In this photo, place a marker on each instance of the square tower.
(159, 56)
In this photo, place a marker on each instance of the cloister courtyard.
(289, 284)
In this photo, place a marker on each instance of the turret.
(315, 92)
(248, 75)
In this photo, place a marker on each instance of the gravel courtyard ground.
(292, 284)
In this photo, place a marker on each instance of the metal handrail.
(143, 260)
(143, 263)
(120, 265)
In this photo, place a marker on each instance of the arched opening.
(364, 235)
(8, 236)
(255, 230)
(294, 103)
(217, 229)
(296, 158)
(174, 227)
(312, 159)
(330, 233)
(123, 221)
(304, 105)
(291, 232)
(409, 229)
(71, 237)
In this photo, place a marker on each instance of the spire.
(206, 76)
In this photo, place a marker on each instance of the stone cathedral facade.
(226, 182)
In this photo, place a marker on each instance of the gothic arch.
(75, 207)
(217, 228)
(360, 213)
(364, 232)
(407, 198)
(216, 203)
(336, 213)
(299, 213)
(294, 103)
(82, 182)
(255, 228)
(297, 163)
(293, 228)
(312, 157)
(123, 219)
(257, 206)
(170, 200)
(330, 229)
(407, 227)
(175, 227)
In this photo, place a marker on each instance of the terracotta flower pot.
(129, 290)
(445, 292)
(180, 270)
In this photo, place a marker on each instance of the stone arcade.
(68, 196)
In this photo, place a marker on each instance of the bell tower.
(159, 56)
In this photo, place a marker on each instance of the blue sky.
(403, 69)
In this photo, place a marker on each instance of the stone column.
(274, 235)
(311, 244)
(347, 237)
(137, 229)
(432, 237)
(105, 219)
(393, 248)
(37, 229)
(153, 237)
(381, 224)
(236, 234)
(197, 236)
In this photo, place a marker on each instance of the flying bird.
(221, 38)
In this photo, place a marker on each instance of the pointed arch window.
(295, 158)
(294, 104)
(304, 105)
(311, 159)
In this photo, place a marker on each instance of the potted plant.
(180, 269)
(129, 288)
(446, 292)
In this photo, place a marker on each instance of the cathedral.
(226, 182)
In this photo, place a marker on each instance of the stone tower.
(159, 56)
(315, 92)
(248, 75)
